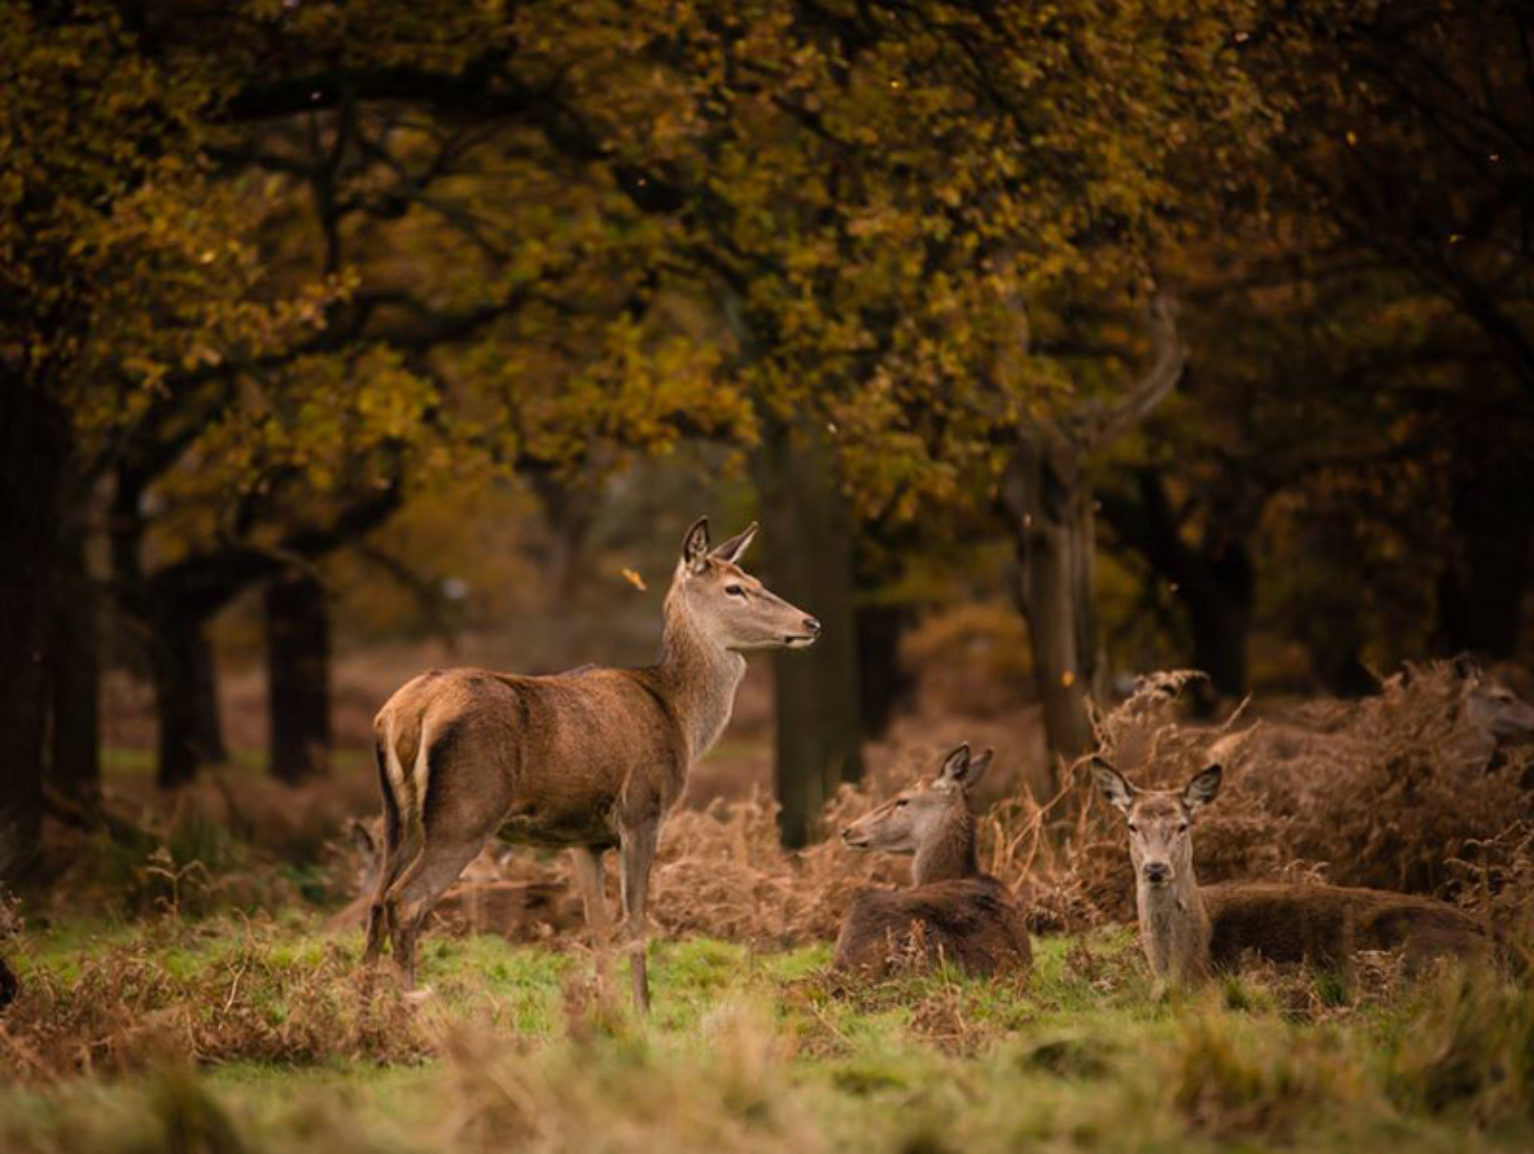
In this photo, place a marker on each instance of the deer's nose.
(813, 626)
(1157, 873)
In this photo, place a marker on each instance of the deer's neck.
(1174, 929)
(950, 853)
(699, 679)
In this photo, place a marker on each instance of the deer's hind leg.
(411, 898)
(461, 806)
(588, 876)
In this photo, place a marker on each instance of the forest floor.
(242, 1034)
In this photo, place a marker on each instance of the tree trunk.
(883, 686)
(1335, 660)
(1049, 502)
(1050, 508)
(76, 643)
(179, 600)
(570, 510)
(1480, 593)
(34, 450)
(186, 698)
(1216, 583)
(808, 560)
(1220, 604)
(298, 677)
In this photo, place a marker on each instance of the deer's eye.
(1183, 828)
(902, 802)
(1133, 828)
(735, 590)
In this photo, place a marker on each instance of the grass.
(242, 1035)
(129, 763)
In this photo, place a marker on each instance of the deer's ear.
(362, 838)
(695, 545)
(732, 549)
(1467, 667)
(1113, 785)
(1204, 787)
(977, 767)
(955, 768)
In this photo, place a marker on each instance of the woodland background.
(1051, 343)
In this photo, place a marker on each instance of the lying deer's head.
(915, 816)
(728, 605)
(1491, 707)
(365, 837)
(1160, 820)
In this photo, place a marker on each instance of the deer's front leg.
(638, 850)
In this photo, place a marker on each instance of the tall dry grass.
(1376, 793)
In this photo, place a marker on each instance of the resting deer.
(592, 759)
(1483, 716)
(1188, 931)
(1493, 714)
(953, 911)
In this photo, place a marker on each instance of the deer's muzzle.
(807, 638)
(1156, 873)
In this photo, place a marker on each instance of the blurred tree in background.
(123, 262)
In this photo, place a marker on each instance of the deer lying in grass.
(1494, 717)
(1481, 717)
(952, 911)
(1189, 931)
(482, 901)
(592, 759)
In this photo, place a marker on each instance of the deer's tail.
(388, 785)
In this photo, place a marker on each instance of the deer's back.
(556, 754)
(1326, 924)
(974, 923)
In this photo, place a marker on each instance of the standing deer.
(953, 910)
(1188, 930)
(592, 759)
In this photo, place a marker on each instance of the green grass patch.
(236, 1034)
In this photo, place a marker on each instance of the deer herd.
(594, 759)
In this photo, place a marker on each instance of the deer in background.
(1493, 714)
(592, 759)
(1481, 717)
(952, 911)
(1188, 931)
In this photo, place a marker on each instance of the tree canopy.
(271, 271)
